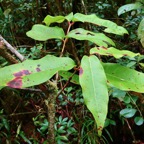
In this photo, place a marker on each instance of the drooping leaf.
(112, 52)
(93, 82)
(33, 72)
(43, 33)
(52, 19)
(141, 32)
(129, 7)
(138, 120)
(124, 78)
(66, 75)
(111, 27)
(97, 38)
(128, 112)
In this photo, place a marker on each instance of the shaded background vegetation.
(23, 117)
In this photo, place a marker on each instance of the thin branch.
(12, 49)
(5, 54)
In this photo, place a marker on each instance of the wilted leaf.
(111, 27)
(93, 82)
(124, 78)
(33, 72)
(129, 7)
(43, 33)
(112, 52)
(97, 38)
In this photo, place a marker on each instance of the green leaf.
(128, 112)
(124, 78)
(141, 32)
(129, 7)
(97, 38)
(117, 93)
(66, 75)
(52, 19)
(43, 33)
(69, 17)
(93, 82)
(112, 52)
(139, 120)
(111, 27)
(33, 72)
(57, 19)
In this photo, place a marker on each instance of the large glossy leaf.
(97, 38)
(111, 27)
(33, 72)
(43, 33)
(141, 32)
(93, 82)
(124, 78)
(112, 52)
(129, 7)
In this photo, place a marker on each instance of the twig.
(12, 49)
(68, 81)
(6, 55)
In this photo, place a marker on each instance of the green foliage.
(129, 7)
(128, 112)
(139, 120)
(141, 32)
(124, 78)
(30, 73)
(43, 33)
(93, 82)
(139, 6)
(64, 129)
(112, 52)
(97, 38)
(93, 74)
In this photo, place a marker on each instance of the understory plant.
(95, 76)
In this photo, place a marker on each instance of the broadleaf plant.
(94, 75)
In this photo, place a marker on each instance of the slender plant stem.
(12, 49)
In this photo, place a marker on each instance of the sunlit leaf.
(94, 88)
(111, 27)
(33, 72)
(112, 52)
(124, 78)
(43, 33)
(97, 38)
(129, 7)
